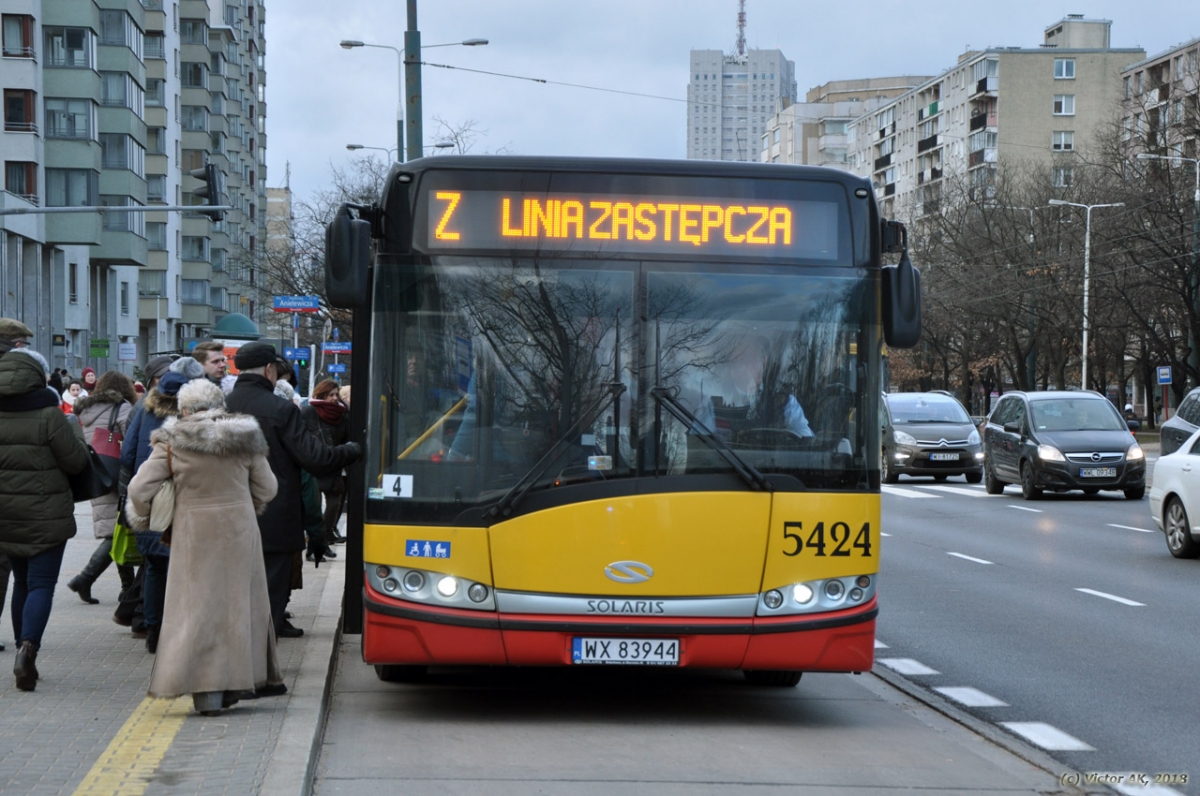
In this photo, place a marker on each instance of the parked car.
(928, 433)
(1175, 497)
(1178, 427)
(1061, 441)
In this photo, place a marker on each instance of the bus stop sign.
(1164, 374)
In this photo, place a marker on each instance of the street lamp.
(1087, 250)
(350, 44)
(1194, 356)
(438, 145)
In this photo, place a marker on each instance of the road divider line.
(905, 493)
(1046, 736)
(969, 558)
(881, 533)
(131, 759)
(879, 645)
(971, 697)
(954, 490)
(1112, 597)
(1129, 528)
(906, 666)
(1024, 508)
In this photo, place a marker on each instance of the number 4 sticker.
(397, 486)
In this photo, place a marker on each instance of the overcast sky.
(321, 97)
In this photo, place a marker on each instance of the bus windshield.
(491, 370)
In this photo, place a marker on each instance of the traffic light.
(212, 190)
(302, 361)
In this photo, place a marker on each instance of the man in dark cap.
(13, 334)
(156, 368)
(291, 449)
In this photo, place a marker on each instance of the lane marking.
(1024, 508)
(1112, 597)
(1129, 528)
(1047, 737)
(906, 666)
(954, 490)
(133, 755)
(971, 697)
(905, 493)
(881, 533)
(879, 645)
(969, 558)
(1141, 790)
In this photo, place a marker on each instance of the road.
(1069, 611)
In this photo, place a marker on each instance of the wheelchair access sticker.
(418, 548)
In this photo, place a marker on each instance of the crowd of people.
(248, 466)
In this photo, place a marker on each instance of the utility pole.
(412, 84)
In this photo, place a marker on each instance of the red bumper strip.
(440, 616)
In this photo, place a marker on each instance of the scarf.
(329, 411)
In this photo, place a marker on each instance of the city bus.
(618, 412)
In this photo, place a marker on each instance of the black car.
(1178, 427)
(928, 433)
(1060, 441)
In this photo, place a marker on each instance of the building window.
(125, 299)
(68, 47)
(20, 178)
(195, 118)
(117, 29)
(73, 283)
(194, 75)
(1127, 88)
(156, 140)
(119, 90)
(193, 31)
(1137, 82)
(156, 92)
(156, 235)
(1064, 68)
(18, 111)
(120, 151)
(155, 46)
(1063, 141)
(18, 36)
(68, 118)
(72, 187)
(156, 188)
(152, 283)
(123, 222)
(1063, 177)
(1064, 104)
(194, 291)
(195, 247)
(193, 159)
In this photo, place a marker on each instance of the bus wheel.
(781, 678)
(390, 673)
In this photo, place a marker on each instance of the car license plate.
(1098, 472)
(943, 457)
(626, 651)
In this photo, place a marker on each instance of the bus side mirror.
(901, 299)
(347, 259)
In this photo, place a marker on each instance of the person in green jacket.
(38, 450)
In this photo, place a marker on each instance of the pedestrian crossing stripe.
(131, 760)
(920, 491)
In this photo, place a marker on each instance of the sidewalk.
(94, 676)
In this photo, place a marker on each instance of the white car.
(1175, 498)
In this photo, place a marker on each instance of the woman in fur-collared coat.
(217, 639)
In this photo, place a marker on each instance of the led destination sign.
(631, 224)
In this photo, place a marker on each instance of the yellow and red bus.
(618, 412)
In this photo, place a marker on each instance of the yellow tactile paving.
(126, 766)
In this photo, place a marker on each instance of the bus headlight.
(477, 593)
(413, 580)
(815, 596)
(433, 588)
(834, 589)
(390, 585)
(447, 586)
(802, 594)
(773, 599)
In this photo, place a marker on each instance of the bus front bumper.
(404, 632)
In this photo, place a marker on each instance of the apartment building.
(111, 103)
(813, 132)
(1161, 102)
(730, 99)
(1003, 105)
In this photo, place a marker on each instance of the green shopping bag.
(124, 546)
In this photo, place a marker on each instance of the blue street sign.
(1164, 374)
(330, 347)
(336, 367)
(297, 303)
(335, 333)
(295, 353)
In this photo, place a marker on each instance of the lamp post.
(1194, 354)
(350, 44)
(438, 145)
(1087, 250)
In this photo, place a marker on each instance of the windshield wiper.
(505, 505)
(748, 472)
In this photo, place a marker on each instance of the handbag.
(95, 480)
(107, 443)
(162, 506)
(124, 545)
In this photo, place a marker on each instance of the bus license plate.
(626, 651)
(943, 457)
(1098, 472)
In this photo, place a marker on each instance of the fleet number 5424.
(837, 537)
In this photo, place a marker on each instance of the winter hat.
(254, 355)
(188, 367)
(170, 383)
(41, 360)
(156, 367)
(84, 377)
(11, 328)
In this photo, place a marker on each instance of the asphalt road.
(1069, 611)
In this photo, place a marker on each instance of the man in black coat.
(292, 449)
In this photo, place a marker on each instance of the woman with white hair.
(217, 641)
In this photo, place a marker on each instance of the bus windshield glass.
(488, 371)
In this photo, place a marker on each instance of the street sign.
(1164, 374)
(58, 340)
(297, 303)
(99, 347)
(295, 353)
(127, 352)
(330, 347)
(336, 367)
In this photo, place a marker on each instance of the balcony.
(925, 144)
(926, 112)
(981, 156)
(883, 162)
(986, 85)
(889, 189)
